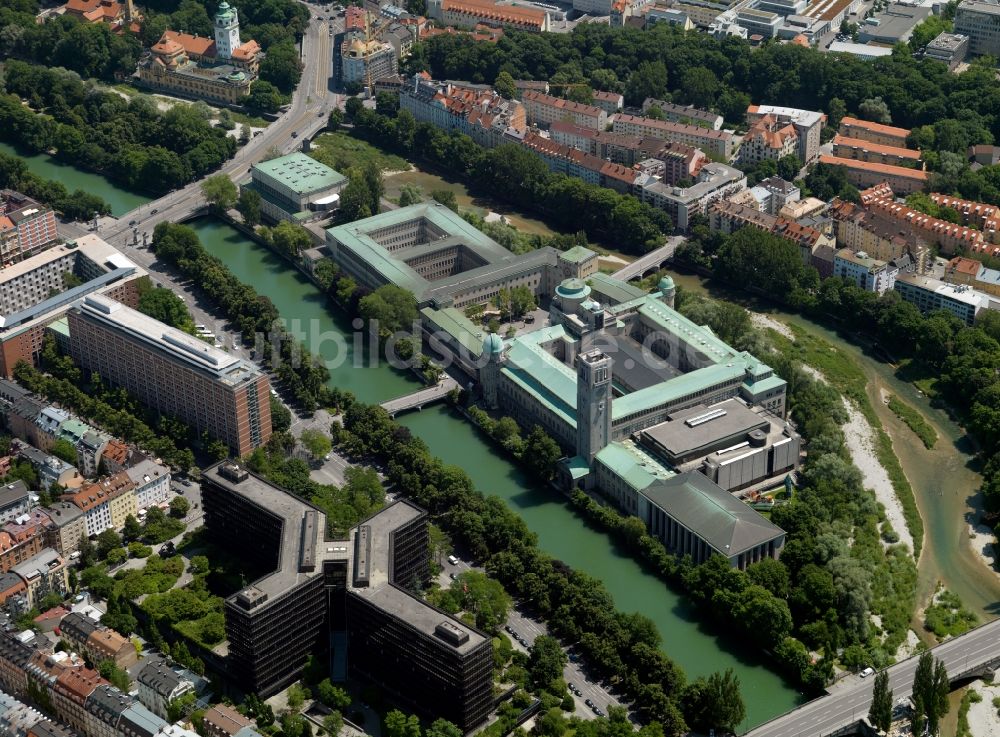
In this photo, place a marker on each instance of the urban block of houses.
(728, 217)
(863, 174)
(876, 234)
(470, 13)
(952, 238)
(974, 274)
(719, 143)
(97, 642)
(984, 218)
(714, 182)
(862, 150)
(544, 110)
(26, 227)
(688, 114)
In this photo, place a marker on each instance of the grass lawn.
(341, 151)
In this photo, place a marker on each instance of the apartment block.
(16, 719)
(769, 139)
(714, 182)
(609, 102)
(151, 483)
(866, 130)
(14, 501)
(70, 692)
(470, 13)
(984, 218)
(160, 684)
(688, 114)
(861, 230)
(544, 110)
(863, 174)
(973, 274)
(865, 272)
(173, 372)
(43, 574)
(26, 227)
(222, 720)
(808, 126)
(34, 293)
(929, 294)
(952, 238)
(861, 150)
(365, 61)
(728, 217)
(720, 144)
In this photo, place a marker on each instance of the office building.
(362, 586)
(543, 110)
(978, 20)
(862, 174)
(950, 48)
(808, 126)
(929, 294)
(864, 272)
(719, 143)
(34, 292)
(26, 227)
(435, 254)
(894, 25)
(295, 187)
(173, 372)
(692, 516)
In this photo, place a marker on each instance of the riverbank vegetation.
(913, 420)
(516, 175)
(75, 205)
(341, 151)
(99, 130)
(948, 617)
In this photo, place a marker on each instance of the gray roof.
(701, 428)
(40, 563)
(713, 514)
(157, 674)
(77, 626)
(63, 513)
(138, 721)
(11, 390)
(107, 703)
(13, 493)
(9, 579)
(46, 728)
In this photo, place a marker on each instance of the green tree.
(107, 541)
(541, 453)
(288, 238)
(715, 702)
(249, 207)
(131, 530)
(117, 676)
(333, 723)
(546, 661)
(281, 67)
(63, 449)
(199, 565)
(409, 194)
(163, 305)
(504, 86)
(220, 191)
(392, 307)
(316, 442)
(446, 197)
(297, 694)
(880, 714)
(332, 696)
(179, 507)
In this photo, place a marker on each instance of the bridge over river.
(974, 654)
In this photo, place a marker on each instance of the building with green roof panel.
(295, 187)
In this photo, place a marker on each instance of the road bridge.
(421, 397)
(974, 654)
(651, 261)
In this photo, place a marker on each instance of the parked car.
(867, 672)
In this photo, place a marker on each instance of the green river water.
(121, 200)
(697, 649)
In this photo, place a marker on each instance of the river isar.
(697, 648)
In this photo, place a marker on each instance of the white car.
(867, 672)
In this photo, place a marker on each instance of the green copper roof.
(300, 173)
(493, 343)
(454, 322)
(613, 291)
(633, 465)
(573, 289)
(577, 254)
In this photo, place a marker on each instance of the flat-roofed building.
(978, 19)
(173, 372)
(865, 272)
(895, 24)
(692, 515)
(14, 501)
(295, 187)
(34, 293)
(949, 48)
(362, 61)
(929, 294)
(26, 227)
(17, 718)
(43, 574)
(863, 174)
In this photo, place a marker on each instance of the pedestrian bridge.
(421, 397)
(972, 655)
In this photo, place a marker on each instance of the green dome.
(493, 344)
(573, 289)
(666, 284)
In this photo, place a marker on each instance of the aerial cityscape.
(429, 368)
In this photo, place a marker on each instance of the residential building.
(929, 294)
(364, 61)
(983, 155)
(222, 720)
(769, 140)
(859, 229)
(718, 143)
(433, 663)
(34, 293)
(952, 238)
(950, 48)
(865, 130)
(117, 456)
(478, 112)
(857, 148)
(679, 160)
(688, 114)
(89, 450)
(543, 110)
(714, 182)
(70, 692)
(21, 542)
(14, 654)
(14, 501)
(599, 8)
(864, 272)
(26, 227)
(161, 683)
(470, 13)
(895, 24)
(95, 503)
(808, 126)
(728, 217)
(295, 187)
(609, 102)
(120, 15)
(43, 574)
(70, 524)
(863, 174)
(973, 274)
(16, 719)
(45, 728)
(151, 482)
(691, 515)
(51, 470)
(173, 372)
(984, 218)
(105, 707)
(671, 16)
(21, 416)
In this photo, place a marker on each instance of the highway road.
(307, 113)
(651, 260)
(529, 629)
(850, 699)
